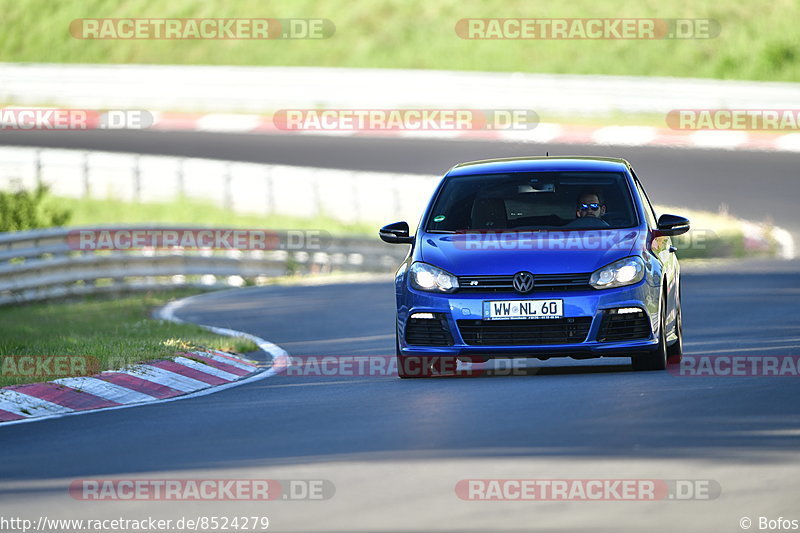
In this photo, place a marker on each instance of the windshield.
(533, 201)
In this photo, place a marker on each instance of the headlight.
(427, 277)
(619, 273)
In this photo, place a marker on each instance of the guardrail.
(266, 89)
(42, 264)
(261, 189)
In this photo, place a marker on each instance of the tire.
(657, 359)
(675, 352)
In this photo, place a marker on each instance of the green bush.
(25, 209)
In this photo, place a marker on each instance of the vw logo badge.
(523, 282)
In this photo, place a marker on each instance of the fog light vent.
(624, 324)
(428, 329)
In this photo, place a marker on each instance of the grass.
(114, 330)
(755, 42)
(716, 235)
(89, 211)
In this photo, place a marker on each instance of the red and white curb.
(192, 374)
(543, 133)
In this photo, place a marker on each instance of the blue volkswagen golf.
(538, 257)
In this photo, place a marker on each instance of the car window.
(530, 200)
(649, 212)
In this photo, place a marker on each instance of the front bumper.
(589, 305)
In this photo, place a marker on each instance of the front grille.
(525, 332)
(625, 327)
(428, 331)
(542, 283)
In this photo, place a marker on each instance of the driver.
(590, 204)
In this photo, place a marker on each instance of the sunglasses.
(593, 207)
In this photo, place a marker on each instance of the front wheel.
(656, 360)
(675, 352)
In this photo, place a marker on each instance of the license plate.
(516, 309)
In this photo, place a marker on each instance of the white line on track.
(755, 349)
(739, 342)
(318, 383)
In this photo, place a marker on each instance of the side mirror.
(671, 225)
(396, 233)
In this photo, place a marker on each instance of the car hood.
(539, 252)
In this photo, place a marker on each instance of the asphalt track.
(396, 449)
(753, 185)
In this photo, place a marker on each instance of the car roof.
(540, 164)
